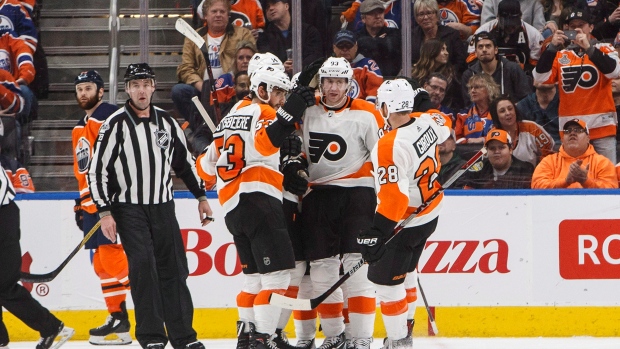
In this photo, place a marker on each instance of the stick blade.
(434, 327)
(184, 28)
(289, 303)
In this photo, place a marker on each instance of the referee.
(131, 183)
(13, 296)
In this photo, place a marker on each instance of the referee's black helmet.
(137, 71)
(89, 76)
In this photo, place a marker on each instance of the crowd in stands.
(509, 73)
(522, 66)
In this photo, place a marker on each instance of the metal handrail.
(114, 27)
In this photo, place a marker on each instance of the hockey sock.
(305, 320)
(411, 286)
(394, 310)
(267, 315)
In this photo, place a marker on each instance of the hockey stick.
(184, 28)
(428, 310)
(37, 278)
(309, 304)
(203, 113)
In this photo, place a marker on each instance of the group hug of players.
(317, 181)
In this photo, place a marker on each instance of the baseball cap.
(509, 12)
(498, 135)
(579, 13)
(484, 35)
(577, 122)
(370, 5)
(345, 36)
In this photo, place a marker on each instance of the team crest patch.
(104, 127)
(266, 260)
(82, 154)
(162, 138)
(564, 59)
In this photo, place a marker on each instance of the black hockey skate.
(195, 345)
(266, 341)
(243, 338)
(306, 344)
(337, 342)
(63, 333)
(116, 323)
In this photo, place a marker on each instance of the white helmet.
(336, 67)
(295, 80)
(264, 59)
(397, 94)
(270, 76)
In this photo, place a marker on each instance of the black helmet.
(136, 71)
(90, 76)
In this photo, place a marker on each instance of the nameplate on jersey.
(236, 122)
(426, 140)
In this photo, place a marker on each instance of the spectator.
(451, 161)
(377, 41)
(18, 22)
(367, 76)
(532, 11)
(531, 141)
(243, 13)
(278, 36)
(13, 109)
(508, 75)
(146, 222)
(435, 58)
(583, 71)
(222, 39)
(473, 126)
(461, 15)
(436, 84)
(391, 14)
(501, 169)
(514, 38)
(16, 58)
(427, 16)
(577, 164)
(541, 107)
(22, 182)
(13, 296)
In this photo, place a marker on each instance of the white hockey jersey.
(337, 143)
(241, 157)
(406, 166)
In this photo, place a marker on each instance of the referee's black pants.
(158, 272)
(13, 296)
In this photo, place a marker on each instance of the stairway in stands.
(75, 37)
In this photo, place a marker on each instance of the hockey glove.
(295, 176)
(372, 243)
(79, 213)
(291, 146)
(295, 106)
(309, 71)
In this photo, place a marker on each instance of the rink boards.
(501, 263)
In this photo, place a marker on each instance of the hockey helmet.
(336, 67)
(397, 94)
(137, 71)
(271, 77)
(89, 76)
(264, 59)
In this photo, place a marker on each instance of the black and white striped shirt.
(133, 158)
(7, 192)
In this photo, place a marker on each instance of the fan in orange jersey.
(583, 71)
(244, 159)
(109, 260)
(406, 165)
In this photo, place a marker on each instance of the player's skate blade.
(123, 338)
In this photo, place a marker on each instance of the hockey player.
(244, 159)
(338, 134)
(109, 259)
(406, 165)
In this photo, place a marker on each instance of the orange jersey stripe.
(245, 300)
(263, 296)
(362, 305)
(253, 174)
(330, 310)
(393, 202)
(394, 308)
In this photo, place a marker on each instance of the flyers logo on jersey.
(585, 76)
(332, 147)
